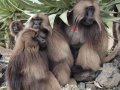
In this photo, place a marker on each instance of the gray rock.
(91, 86)
(85, 76)
(117, 88)
(81, 86)
(70, 87)
(109, 77)
(116, 62)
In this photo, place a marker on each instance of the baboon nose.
(87, 21)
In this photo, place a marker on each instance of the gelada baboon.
(15, 27)
(28, 66)
(60, 57)
(87, 33)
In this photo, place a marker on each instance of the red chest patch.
(74, 28)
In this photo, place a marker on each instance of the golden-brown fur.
(60, 56)
(92, 40)
(28, 67)
(58, 50)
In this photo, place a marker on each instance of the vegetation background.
(22, 9)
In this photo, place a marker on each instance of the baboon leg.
(53, 84)
(62, 73)
(88, 58)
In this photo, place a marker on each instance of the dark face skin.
(16, 27)
(36, 22)
(89, 16)
(41, 38)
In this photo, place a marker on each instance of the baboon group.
(43, 56)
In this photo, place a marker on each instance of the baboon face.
(36, 22)
(88, 18)
(16, 26)
(40, 21)
(86, 13)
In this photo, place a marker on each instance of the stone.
(91, 86)
(85, 76)
(109, 77)
(81, 86)
(70, 87)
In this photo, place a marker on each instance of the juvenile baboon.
(15, 27)
(60, 57)
(28, 66)
(87, 33)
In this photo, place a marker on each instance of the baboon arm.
(60, 50)
(53, 83)
(62, 73)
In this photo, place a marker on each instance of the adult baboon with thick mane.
(28, 66)
(59, 54)
(87, 35)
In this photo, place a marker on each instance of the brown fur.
(60, 57)
(59, 53)
(93, 39)
(28, 66)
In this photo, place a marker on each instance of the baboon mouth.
(36, 27)
(16, 31)
(88, 26)
(87, 22)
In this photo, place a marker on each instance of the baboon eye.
(90, 11)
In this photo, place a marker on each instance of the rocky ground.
(106, 79)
